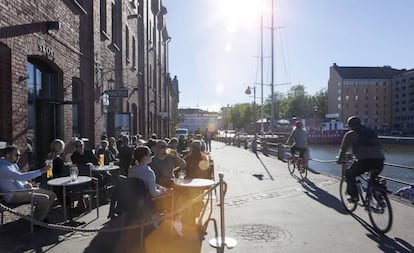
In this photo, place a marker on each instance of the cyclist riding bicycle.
(366, 149)
(300, 140)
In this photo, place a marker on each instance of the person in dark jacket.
(366, 149)
(82, 156)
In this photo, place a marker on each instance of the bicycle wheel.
(349, 206)
(291, 165)
(380, 211)
(303, 171)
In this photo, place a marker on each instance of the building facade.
(403, 102)
(362, 91)
(83, 68)
(197, 120)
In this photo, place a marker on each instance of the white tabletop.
(66, 181)
(105, 168)
(194, 182)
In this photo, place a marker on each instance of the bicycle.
(299, 163)
(375, 201)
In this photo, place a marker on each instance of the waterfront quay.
(265, 208)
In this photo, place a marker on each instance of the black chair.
(14, 205)
(130, 201)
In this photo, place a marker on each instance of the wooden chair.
(14, 205)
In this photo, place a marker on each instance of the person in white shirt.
(11, 179)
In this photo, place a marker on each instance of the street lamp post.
(315, 111)
(248, 92)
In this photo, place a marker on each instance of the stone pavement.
(266, 209)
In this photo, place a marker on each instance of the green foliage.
(295, 103)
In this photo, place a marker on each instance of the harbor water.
(395, 154)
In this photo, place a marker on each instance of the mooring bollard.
(222, 241)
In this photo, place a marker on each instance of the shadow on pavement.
(264, 166)
(164, 239)
(385, 243)
(322, 196)
(15, 234)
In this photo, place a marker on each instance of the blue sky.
(216, 43)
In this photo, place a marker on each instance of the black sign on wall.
(117, 93)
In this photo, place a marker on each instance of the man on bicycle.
(366, 149)
(300, 139)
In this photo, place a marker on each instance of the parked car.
(181, 131)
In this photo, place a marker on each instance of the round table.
(105, 168)
(194, 182)
(67, 181)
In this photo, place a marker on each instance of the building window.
(339, 98)
(134, 53)
(75, 107)
(339, 91)
(356, 98)
(126, 44)
(102, 17)
(115, 26)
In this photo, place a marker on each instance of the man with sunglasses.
(12, 179)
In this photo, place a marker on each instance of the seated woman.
(59, 169)
(197, 162)
(141, 170)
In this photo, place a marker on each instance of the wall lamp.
(52, 25)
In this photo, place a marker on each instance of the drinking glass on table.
(181, 175)
(74, 173)
(101, 160)
(49, 172)
(170, 151)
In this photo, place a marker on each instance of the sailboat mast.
(261, 72)
(272, 123)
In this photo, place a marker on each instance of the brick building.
(362, 91)
(403, 102)
(82, 68)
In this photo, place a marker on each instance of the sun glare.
(219, 89)
(239, 12)
(228, 47)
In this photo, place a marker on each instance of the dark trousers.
(374, 165)
(302, 151)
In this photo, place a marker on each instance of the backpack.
(367, 136)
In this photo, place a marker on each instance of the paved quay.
(266, 209)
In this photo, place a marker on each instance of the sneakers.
(351, 199)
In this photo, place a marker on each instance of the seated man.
(104, 150)
(82, 156)
(12, 179)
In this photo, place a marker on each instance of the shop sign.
(46, 50)
(117, 93)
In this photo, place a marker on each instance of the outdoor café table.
(67, 181)
(194, 183)
(197, 184)
(105, 168)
